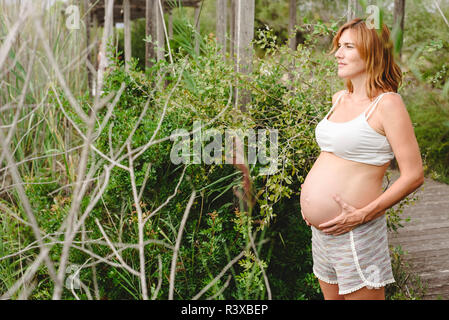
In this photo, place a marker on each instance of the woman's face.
(350, 64)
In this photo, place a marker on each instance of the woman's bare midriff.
(357, 184)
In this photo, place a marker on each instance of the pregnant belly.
(357, 184)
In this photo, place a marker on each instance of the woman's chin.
(342, 75)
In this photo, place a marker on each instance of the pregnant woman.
(341, 198)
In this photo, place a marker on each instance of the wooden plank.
(426, 237)
(439, 233)
(430, 264)
(416, 248)
(426, 220)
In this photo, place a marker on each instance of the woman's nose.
(338, 54)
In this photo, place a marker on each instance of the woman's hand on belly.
(349, 218)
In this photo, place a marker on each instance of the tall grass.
(49, 127)
(37, 148)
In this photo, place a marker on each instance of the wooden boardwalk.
(425, 238)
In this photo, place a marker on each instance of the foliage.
(408, 285)
(426, 46)
(429, 112)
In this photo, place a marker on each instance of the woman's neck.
(359, 87)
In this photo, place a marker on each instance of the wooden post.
(354, 9)
(149, 47)
(127, 33)
(244, 33)
(291, 24)
(155, 28)
(399, 14)
(88, 53)
(107, 32)
(232, 28)
(159, 29)
(221, 25)
(292, 41)
(96, 52)
(197, 29)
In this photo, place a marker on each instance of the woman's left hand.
(349, 218)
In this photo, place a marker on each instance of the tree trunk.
(399, 15)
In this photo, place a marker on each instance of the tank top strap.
(336, 102)
(375, 102)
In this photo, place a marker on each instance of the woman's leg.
(330, 291)
(366, 294)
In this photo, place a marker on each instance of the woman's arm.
(401, 136)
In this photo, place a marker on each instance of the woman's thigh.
(366, 294)
(330, 291)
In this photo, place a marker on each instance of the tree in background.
(399, 15)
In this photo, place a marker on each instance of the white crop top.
(354, 140)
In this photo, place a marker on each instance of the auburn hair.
(376, 49)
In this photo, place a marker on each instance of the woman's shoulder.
(391, 104)
(337, 94)
(391, 98)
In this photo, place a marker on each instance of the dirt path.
(426, 236)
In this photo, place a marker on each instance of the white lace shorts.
(353, 260)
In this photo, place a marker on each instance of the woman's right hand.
(304, 218)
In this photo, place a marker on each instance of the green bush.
(429, 112)
(217, 228)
